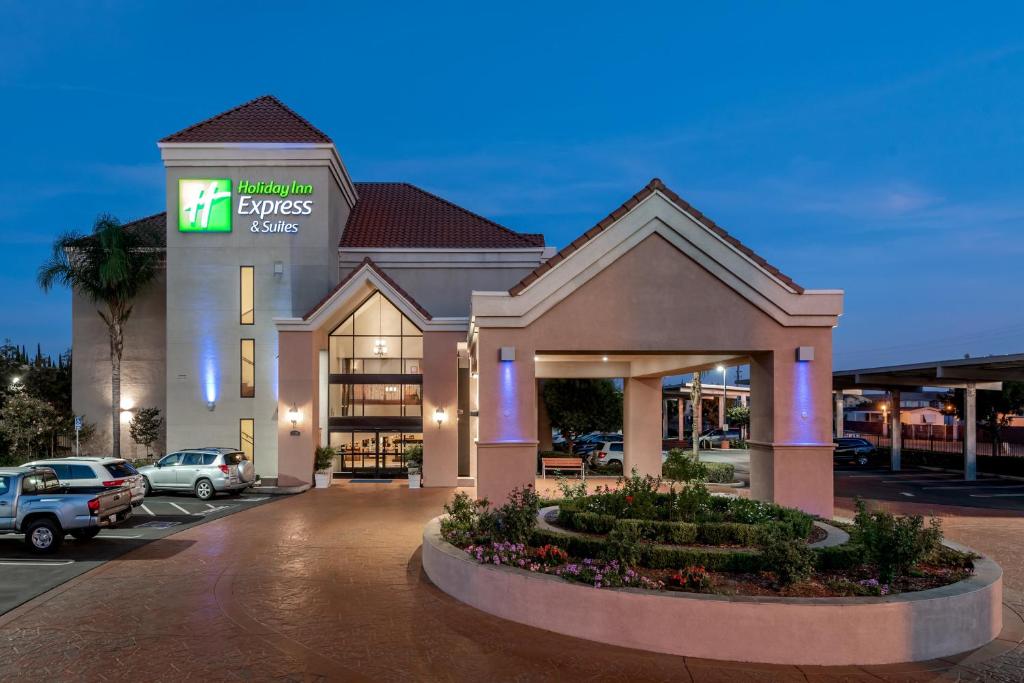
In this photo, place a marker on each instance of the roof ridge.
(368, 262)
(655, 185)
(268, 97)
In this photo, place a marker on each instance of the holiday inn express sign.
(204, 205)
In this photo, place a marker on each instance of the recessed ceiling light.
(604, 358)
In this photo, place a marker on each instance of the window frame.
(241, 369)
(241, 290)
(241, 442)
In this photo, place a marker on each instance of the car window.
(209, 458)
(62, 471)
(5, 485)
(234, 458)
(39, 482)
(120, 469)
(172, 459)
(192, 459)
(616, 447)
(80, 472)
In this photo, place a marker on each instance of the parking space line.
(147, 510)
(965, 486)
(13, 562)
(914, 481)
(997, 495)
(254, 499)
(119, 536)
(179, 507)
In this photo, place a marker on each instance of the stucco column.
(681, 411)
(896, 432)
(791, 426)
(971, 432)
(543, 421)
(506, 450)
(298, 368)
(721, 409)
(641, 417)
(840, 428)
(441, 391)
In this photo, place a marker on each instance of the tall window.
(377, 339)
(247, 438)
(248, 388)
(247, 296)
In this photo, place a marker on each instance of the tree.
(24, 422)
(994, 408)
(697, 401)
(579, 406)
(109, 268)
(738, 416)
(144, 428)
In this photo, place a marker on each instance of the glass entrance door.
(372, 453)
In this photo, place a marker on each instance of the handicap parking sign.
(78, 423)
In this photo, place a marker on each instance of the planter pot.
(323, 479)
(414, 480)
(724, 444)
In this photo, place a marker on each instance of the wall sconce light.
(295, 416)
(507, 354)
(278, 269)
(210, 405)
(439, 417)
(804, 354)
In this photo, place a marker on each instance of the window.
(121, 469)
(376, 339)
(5, 485)
(80, 472)
(246, 442)
(247, 296)
(192, 459)
(248, 388)
(375, 400)
(170, 460)
(209, 458)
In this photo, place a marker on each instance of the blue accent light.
(803, 404)
(508, 401)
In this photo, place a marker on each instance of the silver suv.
(204, 471)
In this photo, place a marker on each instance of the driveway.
(327, 585)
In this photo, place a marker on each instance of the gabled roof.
(264, 119)
(367, 263)
(654, 186)
(403, 216)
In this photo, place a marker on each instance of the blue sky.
(877, 150)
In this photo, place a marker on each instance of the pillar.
(791, 426)
(642, 425)
(840, 428)
(664, 418)
(681, 411)
(298, 366)
(543, 421)
(721, 409)
(895, 432)
(971, 432)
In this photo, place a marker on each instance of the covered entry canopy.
(969, 374)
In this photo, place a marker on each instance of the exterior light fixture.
(604, 359)
(439, 417)
(804, 354)
(507, 354)
(210, 405)
(295, 416)
(536, 358)
(278, 268)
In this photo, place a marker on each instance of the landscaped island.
(682, 571)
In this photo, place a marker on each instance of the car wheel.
(85, 534)
(204, 489)
(44, 536)
(615, 466)
(149, 487)
(862, 460)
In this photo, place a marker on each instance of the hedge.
(720, 472)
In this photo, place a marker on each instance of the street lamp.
(725, 424)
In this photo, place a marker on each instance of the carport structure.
(657, 289)
(970, 374)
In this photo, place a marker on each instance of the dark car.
(852, 450)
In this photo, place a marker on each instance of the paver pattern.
(328, 585)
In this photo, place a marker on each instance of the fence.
(940, 439)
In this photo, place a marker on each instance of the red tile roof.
(400, 215)
(647, 191)
(375, 268)
(264, 119)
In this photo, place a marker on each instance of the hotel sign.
(204, 205)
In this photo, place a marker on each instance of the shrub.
(591, 522)
(839, 557)
(323, 458)
(720, 472)
(640, 494)
(414, 457)
(467, 519)
(516, 519)
(748, 511)
(672, 557)
(572, 491)
(789, 559)
(894, 544)
(695, 579)
(624, 545)
(683, 467)
(657, 531)
(692, 502)
(729, 533)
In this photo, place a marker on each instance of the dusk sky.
(880, 152)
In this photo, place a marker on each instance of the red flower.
(629, 500)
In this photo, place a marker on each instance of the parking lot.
(24, 575)
(929, 486)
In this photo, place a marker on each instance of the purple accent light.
(802, 416)
(508, 401)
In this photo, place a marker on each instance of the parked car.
(90, 472)
(35, 503)
(612, 454)
(852, 450)
(588, 443)
(715, 437)
(204, 471)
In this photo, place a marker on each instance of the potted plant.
(414, 461)
(323, 458)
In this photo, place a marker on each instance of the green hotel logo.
(204, 205)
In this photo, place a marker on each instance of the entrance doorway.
(372, 454)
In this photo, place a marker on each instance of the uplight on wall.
(439, 417)
(295, 415)
(804, 354)
(507, 354)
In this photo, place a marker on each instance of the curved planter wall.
(803, 631)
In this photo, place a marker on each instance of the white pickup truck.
(34, 502)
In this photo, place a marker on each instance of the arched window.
(377, 339)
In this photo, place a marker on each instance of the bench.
(561, 464)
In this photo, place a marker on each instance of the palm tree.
(110, 268)
(696, 400)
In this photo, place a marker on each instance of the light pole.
(725, 423)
